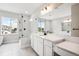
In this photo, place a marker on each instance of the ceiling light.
(49, 7)
(31, 19)
(26, 12)
(46, 9)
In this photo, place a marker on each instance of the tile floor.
(13, 49)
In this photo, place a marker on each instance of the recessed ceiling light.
(31, 19)
(26, 12)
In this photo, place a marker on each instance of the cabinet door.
(32, 41)
(35, 43)
(40, 46)
(47, 48)
(47, 51)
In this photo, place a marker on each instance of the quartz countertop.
(52, 37)
(69, 46)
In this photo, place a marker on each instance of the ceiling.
(62, 11)
(22, 8)
(31, 8)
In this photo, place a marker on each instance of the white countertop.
(51, 37)
(69, 46)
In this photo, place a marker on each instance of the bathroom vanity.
(69, 47)
(43, 44)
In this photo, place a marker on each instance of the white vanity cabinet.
(37, 44)
(32, 41)
(40, 46)
(43, 45)
(48, 48)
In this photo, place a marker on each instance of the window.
(41, 26)
(8, 25)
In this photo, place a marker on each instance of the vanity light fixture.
(49, 7)
(46, 9)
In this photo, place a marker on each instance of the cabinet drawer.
(48, 43)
